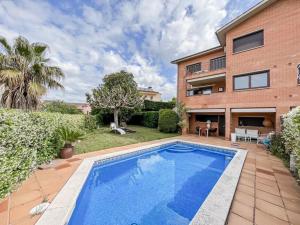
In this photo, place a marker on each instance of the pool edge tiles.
(211, 212)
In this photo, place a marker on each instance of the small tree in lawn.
(118, 91)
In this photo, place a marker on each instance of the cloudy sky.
(91, 38)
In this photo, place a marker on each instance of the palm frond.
(22, 47)
(36, 89)
(5, 45)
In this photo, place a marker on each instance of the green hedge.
(168, 120)
(150, 119)
(28, 140)
(156, 106)
(291, 135)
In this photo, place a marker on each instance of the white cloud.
(90, 40)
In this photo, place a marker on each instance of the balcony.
(215, 65)
(206, 85)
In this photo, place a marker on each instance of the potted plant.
(68, 136)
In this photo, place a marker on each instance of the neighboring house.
(84, 107)
(150, 94)
(252, 78)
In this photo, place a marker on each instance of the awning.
(203, 80)
(206, 110)
(253, 110)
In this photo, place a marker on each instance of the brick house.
(150, 94)
(251, 78)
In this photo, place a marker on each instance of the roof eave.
(221, 32)
(205, 52)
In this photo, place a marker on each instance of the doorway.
(222, 125)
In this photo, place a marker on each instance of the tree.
(181, 112)
(118, 91)
(61, 107)
(24, 73)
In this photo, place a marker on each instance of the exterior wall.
(152, 96)
(280, 54)
(262, 130)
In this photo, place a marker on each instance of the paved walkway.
(266, 194)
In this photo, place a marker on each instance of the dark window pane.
(194, 68)
(259, 80)
(249, 41)
(205, 118)
(251, 121)
(218, 63)
(241, 82)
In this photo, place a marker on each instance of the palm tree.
(25, 75)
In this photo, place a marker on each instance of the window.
(204, 118)
(199, 91)
(298, 75)
(251, 81)
(193, 68)
(218, 63)
(251, 121)
(248, 41)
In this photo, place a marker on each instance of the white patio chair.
(252, 134)
(114, 128)
(240, 133)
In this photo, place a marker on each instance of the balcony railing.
(203, 91)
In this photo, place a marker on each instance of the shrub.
(90, 122)
(150, 119)
(277, 147)
(61, 107)
(168, 120)
(156, 106)
(291, 134)
(137, 119)
(28, 140)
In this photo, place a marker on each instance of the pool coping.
(214, 209)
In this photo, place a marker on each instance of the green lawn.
(102, 138)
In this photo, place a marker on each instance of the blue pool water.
(164, 186)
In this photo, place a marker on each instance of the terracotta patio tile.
(243, 210)
(62, 166)
(272, 190)
(246, 181)
(262, 218)
(264, 171)
(292, 205)
(271, 209)
(244, 198)
(294, 217)
(4, 218)
(266, 181)
(248, 171)
(4, 205)
(73, 159)
(265, 176)
(276, 200)
(237, 220)
(289, 195)
(18, 213)
(246, 189)
(19, 199)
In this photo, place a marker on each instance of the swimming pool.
(165, 184)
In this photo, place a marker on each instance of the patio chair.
(115, 129)
(252, 134)
(265, 139)
(240, 133)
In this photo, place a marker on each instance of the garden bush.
(156, 106)
(137, 119)
(150, 119)
(28, 140)
(168, 120)
(277, 147)
(90, 122)
(291, 134)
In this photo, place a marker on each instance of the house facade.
(150, 94)
(252, 78)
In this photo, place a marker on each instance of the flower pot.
(67, 152)
(267, 123)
